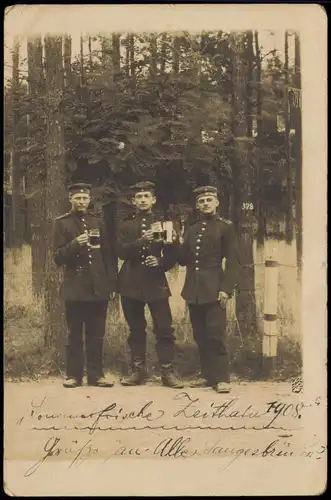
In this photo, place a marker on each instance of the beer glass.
(162, 231)
(94, 238)
(158, 232)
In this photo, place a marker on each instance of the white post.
(269, 345)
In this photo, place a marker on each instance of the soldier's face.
(80, 202)
(144, 201)
(207, 204)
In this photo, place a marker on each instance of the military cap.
(143, 186)
(79, 187)
(205, 190)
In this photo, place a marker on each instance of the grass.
(26, 356)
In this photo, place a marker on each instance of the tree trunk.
(175, 55)
(90, 51)
(82, 70)
(163, 53)
(116, 55)
(37, 171)
(17, 229)
(258, 190)
(132, 63)
(288, 162)
(242, 188)
(67, 60)
(107, 61)
(251, 159)
(249, 84)
(127, 57)
(153, 52)
(54, 189)
(298, 153)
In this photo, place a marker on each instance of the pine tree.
(55, 193)
(17, 226)
(298, 151)
(36, 166)
(242, 188)
(288, 162)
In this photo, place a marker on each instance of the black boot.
(222, 387)
(200, 381)
(71, 383)
(137, 376)
(101, 382)
(169, 378)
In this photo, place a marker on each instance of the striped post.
(269, 345)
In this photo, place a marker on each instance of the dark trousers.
(93, 316)
(209, 331)
(134, 313)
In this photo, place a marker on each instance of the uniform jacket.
(135, 279)
(205, 245)
(89, 273)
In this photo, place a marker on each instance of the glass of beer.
(162, 231)
(158, 232)
(94, 238)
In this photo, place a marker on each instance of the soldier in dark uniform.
(142, 281)
(82, 247)
(207, 287)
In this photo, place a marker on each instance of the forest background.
(182, 109)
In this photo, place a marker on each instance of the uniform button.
(198, 241)
(197, 268)
(198, 248)
(143, 231)
(143, 220)
(197, 254)
(197, 262)
(143, 225)
(203, 229)
(204, 223)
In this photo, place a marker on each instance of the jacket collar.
(78, 215)
(209, 217)
(142, 215)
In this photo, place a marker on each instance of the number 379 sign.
(247, 205)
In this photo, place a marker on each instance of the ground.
(64, 434)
